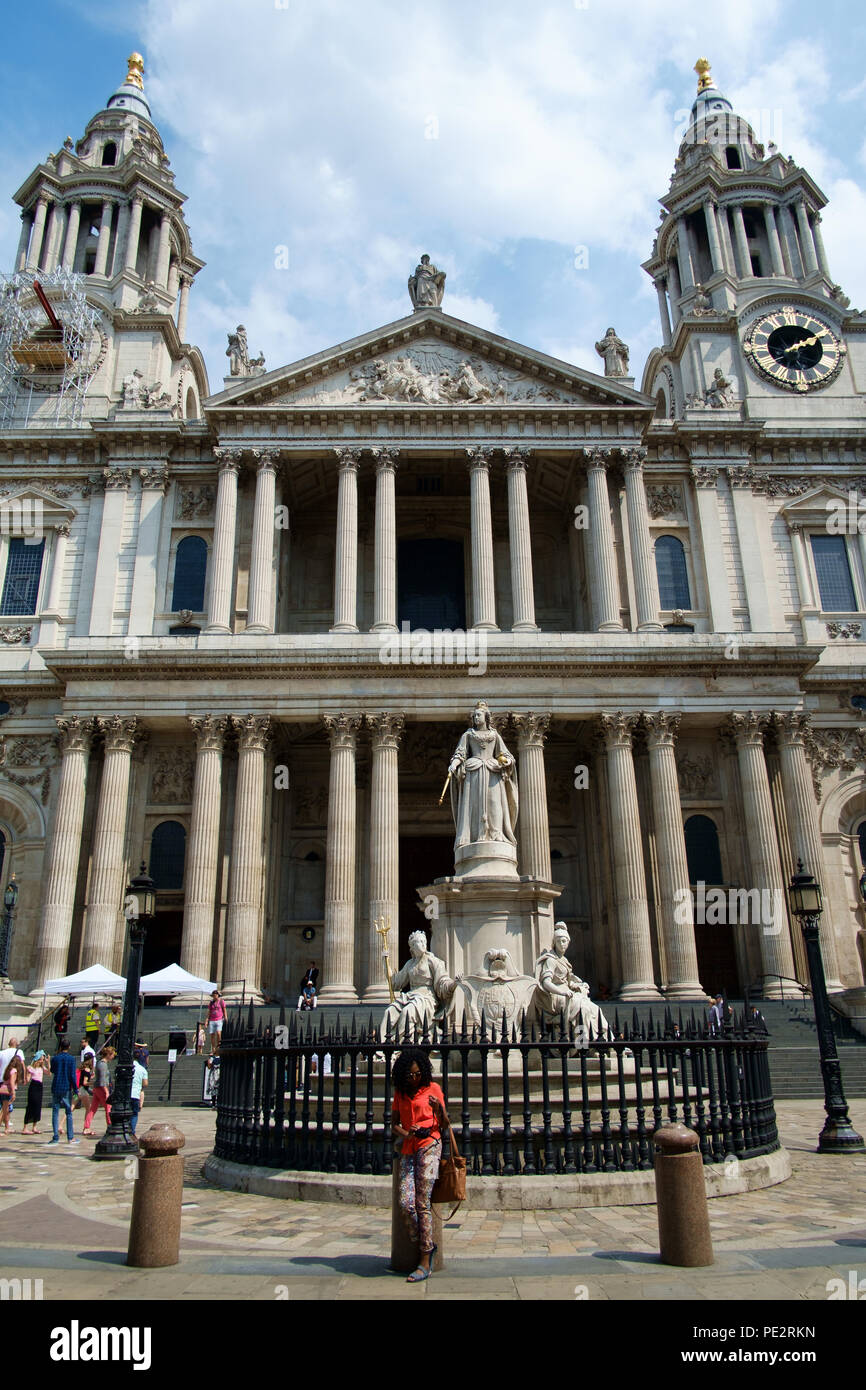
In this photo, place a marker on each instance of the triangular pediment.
(430, 361)
(816, 506)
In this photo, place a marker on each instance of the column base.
(634, 994)
(484, 627)
(258, 628)
(650, 627)
(338, 994)
(525, 627)
(376, 995)
(689, 989)
(344, 627)
(216, 630)
(383, 627)
(611, 627)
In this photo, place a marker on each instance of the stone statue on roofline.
(427, 285)
(240, 362)
(615, 354)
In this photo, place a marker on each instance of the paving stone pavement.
(64, 1219)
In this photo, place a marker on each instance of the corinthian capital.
(479, 456)
(746, 729)
(153, 479)
(253, 730)
(516, 456)
(386, 729)
(342, 729)
(532, 728)
(229, 460)
(633, 458)
(617, 729)
(119, 733)
(703, 476)
(792, 726)
(75, 733)
(598, 458)
(266, 458)
(114, 478)
(348, 460)
(210, 731)
(661, 728)
(385, 459)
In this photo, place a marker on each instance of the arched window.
(168, 854)
(732, 157)
(109, 153)
(702, 850)
(672, 573)
(190, 567)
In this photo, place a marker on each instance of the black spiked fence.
(529, 1100)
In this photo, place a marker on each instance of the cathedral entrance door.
(422, 858)
(431, 586)
(162, 944)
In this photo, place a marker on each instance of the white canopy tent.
(173, 979)
(94, 980)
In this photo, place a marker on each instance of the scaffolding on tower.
(51, 346)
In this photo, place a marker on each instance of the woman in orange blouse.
(418, 1119)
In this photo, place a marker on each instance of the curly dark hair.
(400, 1070)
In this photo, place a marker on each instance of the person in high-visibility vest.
(92, 1024)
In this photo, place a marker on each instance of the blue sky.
(496, 137)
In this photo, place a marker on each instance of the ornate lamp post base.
(117, 1142)
(839, 1136)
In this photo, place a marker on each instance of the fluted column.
(163, 251)
(385, 592)
(534, 832)
(807, 245)
(244, 924)
(727, 244)
(58, 564)
(104, 236)
(222, 573)
(820, 249)
(675, 915)
(605, 579)
(742, 241)
(202, 856)
(642, 557)
(520, 542)
(777, 958)
(386, 731)
(102, 944)
(53, 232)
(183, 307)
(132, 235)
(664, 311)
(71, 240)
(801, 568)
(26, 228)
(38, 233)
(632, 909)
(684, 256)
(338, 985)
(804, 831)
(115, 265)
(346, 561)
(716, 256)
(707, 498)
(788, 238)
(776, 262)
(481, 528)
(260, 604)
(61, 866)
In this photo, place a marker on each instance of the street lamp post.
(10, 898)
(138, 907)
(838, 1134)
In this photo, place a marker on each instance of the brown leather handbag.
(450, 1186)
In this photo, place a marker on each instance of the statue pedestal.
(473, 915)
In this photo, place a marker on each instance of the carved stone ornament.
(13, 635)
(153, 479)
(696, 774)
(849, 631)
(661, 728)
(113, 478)
(184, 616)
(75, 733)
(532, 729)
(425, 375)
(617, 729)
(119, 733)
(834, 750)
(701, 304)
(31, 750)
(741, 476)
(149, 303)
(252, 730)
(424, 746)
(342, 729)
(664, 499)
(194, 503)
(171, 777)
(386, 729)
(210, 731)
(16, 701)
(311, 805)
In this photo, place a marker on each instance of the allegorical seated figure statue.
(562, 997)
(423, 989)
(483, 786)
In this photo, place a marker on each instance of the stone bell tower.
(753, 325)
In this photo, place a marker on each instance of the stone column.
(38, 233)
(338, 985)
(223, 561)
(534, 833)
(108, 866)
(173, 279)
(760, 577)
(71, 241)
(116, 483)
(183, 307)
(675, 915)
(664, 311)
(742, 241)
(104, 236)
(788, 238)
(792, 729)
(713, 236)
(777, 959)
(115, 265)
(632, 910)
(142, 603)
(243, 945)
(801, 568)
(727, 243)
(385, 596)
(58, 563)
(346, 561)
(820, 249)
(24, 238)
(520, 542)
(642, 557)
(776, 262)
(386, 730)
(163, 252)
(61, 861)
(133, 234)
(52, 232)
(707, 498)
(202, 856)
(684, 256)
(807, 245)
(260, 604)
(483, 582)
(605, 579)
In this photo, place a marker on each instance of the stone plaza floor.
(64, 1220)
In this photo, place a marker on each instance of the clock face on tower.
(796, 350)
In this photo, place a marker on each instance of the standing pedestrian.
(139, 1082)
(61, 1021)
(101, 1089)
(92, 1024)
(12, 1077)
(36, 1081)
(63, 1089)
(112, 1025)
(418, 1119)
(216, 1016)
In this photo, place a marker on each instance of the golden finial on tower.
(705, 80)
(136, 68)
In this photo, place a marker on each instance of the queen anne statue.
(483, 799)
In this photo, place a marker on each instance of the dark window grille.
(181, 631)
(833, 572)
(23, 572)
(673, 575)
(168, 854)
(190, 568)
(703, 855)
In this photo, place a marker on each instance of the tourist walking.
(101, 1089)
(418, 1118)
(35, 1087)
(13, 1075)
(216, 1017)
(63, 1090)
(139, 1082)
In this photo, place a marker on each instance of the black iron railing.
(528, 1102)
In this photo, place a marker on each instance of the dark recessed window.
(181, 631)
(861, 837)
(732, 157)
(109, 153)
(672, 573)
(167, 854)
(23, 571)
(679, 627)
(702, 850)
(428, 483)
(833, 573)
(190, 567)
